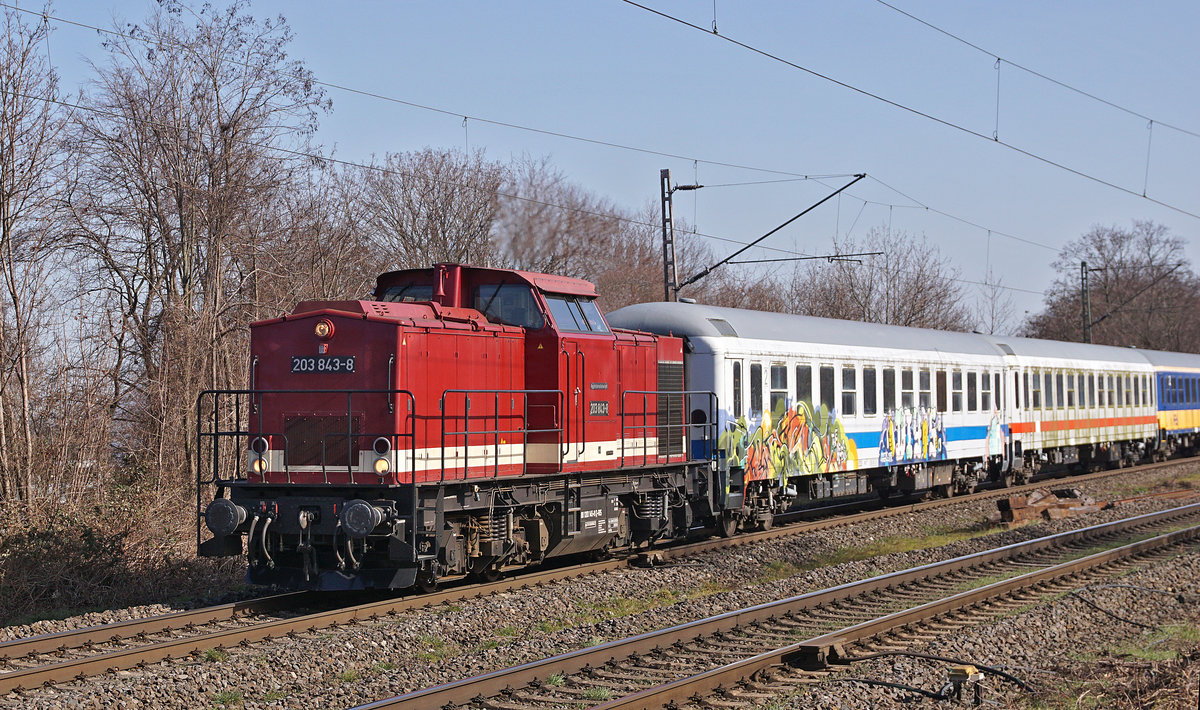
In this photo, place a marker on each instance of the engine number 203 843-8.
(323, 363)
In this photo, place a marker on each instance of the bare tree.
(546, 223)
(31, 125)
(911, 284)
(994, 308)
(432, 206)
(1142, 289)
(177, 165)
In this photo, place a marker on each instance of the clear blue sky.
(609, 71)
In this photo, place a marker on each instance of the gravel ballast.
(362, 662)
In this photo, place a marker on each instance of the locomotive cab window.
(509, 304)
(406, 293)
(576, 315)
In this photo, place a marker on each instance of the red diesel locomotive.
(463, 420)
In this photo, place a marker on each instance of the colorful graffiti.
(911, 434)
(790, 442)
(995, 436)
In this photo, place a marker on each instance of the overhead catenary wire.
(514, 126)
(1040, 75)
(392, 171)
(917, 112)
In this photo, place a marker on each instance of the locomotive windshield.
(406, 293)
(509, 304)
(580, 315)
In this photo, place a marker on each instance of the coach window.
(1111, 389)
(1101, 392)
(1037, 390)
(1048, 387)
(999, 392)
(1128, 390)
(778, 388)
(1137, 391)
(1070, 389)
(943, 394)
(1147, 383)
(889, 389)
(906, 389)
(1091, 390)
(1120, 391)
(1059, 391)
(972, 392)
(924, 397)
(756, 383)
(828, 401)
(956, 380)
(870, 392)
(1023, 395)
(985, 392)
(849, 391)
(737, 388)
(804, 384)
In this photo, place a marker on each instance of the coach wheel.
(883, 492)
(944, 491)
(490, 574)
(766, 522)
(727, 525)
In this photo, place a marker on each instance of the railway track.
(788, 643)
(71, 655)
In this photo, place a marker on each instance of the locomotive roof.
(698, 320)
(544, 282)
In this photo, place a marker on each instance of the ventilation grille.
(670, 408)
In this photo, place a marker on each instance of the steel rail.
(464, 691)
(829, 648)
(106, 633)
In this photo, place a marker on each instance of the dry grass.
(126, 547)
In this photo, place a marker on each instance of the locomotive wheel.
(727, 526)
(766, 523)
(426, 583)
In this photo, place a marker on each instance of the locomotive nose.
(223, 516)
(359, 518)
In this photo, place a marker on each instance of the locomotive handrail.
(251, 428)
(497, 431)
(709, 428)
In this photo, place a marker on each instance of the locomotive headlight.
(258, 453)
(323, 329)
(381, 466)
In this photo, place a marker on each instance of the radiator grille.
(308, 437)
(670, 408)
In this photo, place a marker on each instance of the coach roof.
(701, 321)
